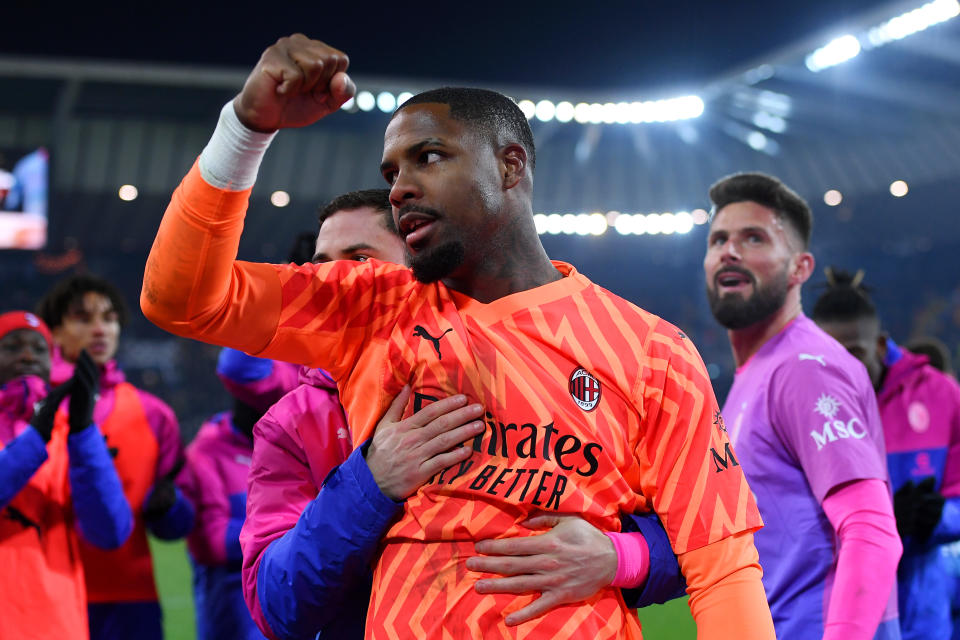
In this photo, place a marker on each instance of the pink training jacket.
(296, 444)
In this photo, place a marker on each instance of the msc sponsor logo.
(832, 429)
(727, 460)
(584, 389)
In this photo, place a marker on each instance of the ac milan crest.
(585, 389)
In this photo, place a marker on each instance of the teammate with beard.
(589, 404)
(805, 424)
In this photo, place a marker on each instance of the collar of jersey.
(492, 312)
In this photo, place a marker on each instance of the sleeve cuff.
(231, 159)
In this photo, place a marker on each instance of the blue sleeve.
(306, 576)
(238, 514)
(948, 529)
(665, 581)
(19, 460)
(176, 522)
(241, 368)
(103, 514)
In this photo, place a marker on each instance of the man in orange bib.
(56, 481)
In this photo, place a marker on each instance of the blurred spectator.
(141, 432)
(936, 351)
(56, 479)
(920, 411)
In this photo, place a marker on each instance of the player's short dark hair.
(936, 351)
(489, 112)
(845, 298)
(378, 199)
(67, 295)
(769, 192)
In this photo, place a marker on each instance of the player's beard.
(437, 263)
(736, 312)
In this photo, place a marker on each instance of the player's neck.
(521, 266)
(747, 341)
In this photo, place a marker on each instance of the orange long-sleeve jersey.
(592, 405)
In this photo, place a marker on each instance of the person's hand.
(928, 509)
(46, 410)
(83, 394)
(163, 495)
(903, 508)
(568, 563)
(296, 82)
(404, 454)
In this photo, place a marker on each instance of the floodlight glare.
(757, 140)
(128, 193)
(833, 53)
(832, 198)
(683, 222)
(545, 111)
(529, 109)
(554, 224)
(913, 21)
(565, 112)
(349, 104)
(366, 101)
(386, 102)
(581, 113)
(624, 224)
(700, 216)
(540, 222)
(403, 97)
(598, 224)
(279, 198)
(898, 188)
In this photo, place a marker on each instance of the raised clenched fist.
(296, 82)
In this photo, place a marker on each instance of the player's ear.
(803, 266)
(513, 164)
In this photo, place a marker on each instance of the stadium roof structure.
(853, 122)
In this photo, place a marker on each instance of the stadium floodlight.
(529, 109)
(366, 101)
(899, 188)
(598, 224)
(279, 198)
(128, 193)
(913, 22)
(569, 223)
(540, 222)
(583, 224)
(386, 102)
(668, 223)
(545, 111)
(349, 105)
(832, 198)
(683, 222)
(757, 141)
(700, 216)
(652, 224)
(581, 113)
(403, 97)
(565, 111)
(836, 51)
(639, 224)
(624, 224)
(770, 122)
(554, 224)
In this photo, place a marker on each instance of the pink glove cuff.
(633, 559)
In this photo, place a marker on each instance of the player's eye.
(717, 240)
(390, 176)
(429, 157)
(359, 257)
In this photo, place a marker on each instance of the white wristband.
(232, 157)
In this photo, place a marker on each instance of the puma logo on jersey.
(807, 356)
(420, 332)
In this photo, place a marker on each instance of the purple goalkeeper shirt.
(803, 418)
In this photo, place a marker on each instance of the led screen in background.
(24, 188)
